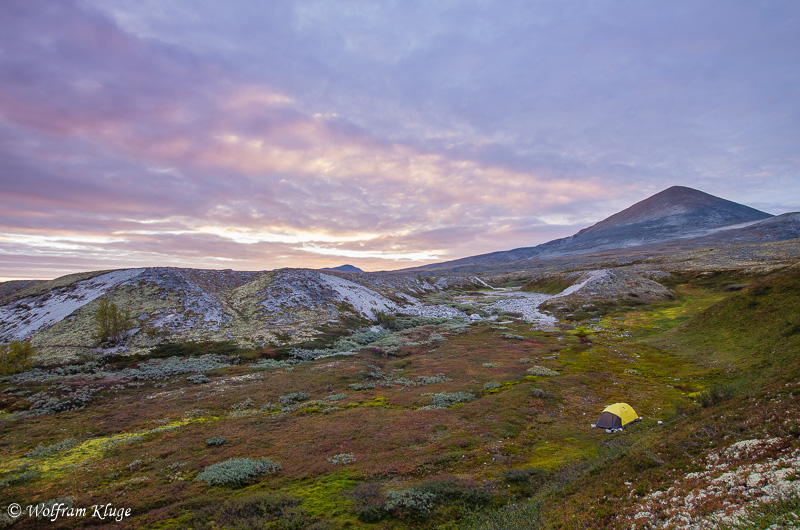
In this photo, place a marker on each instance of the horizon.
(316, 268)
(259, 137)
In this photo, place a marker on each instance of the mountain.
(343, 268)
(673, 214)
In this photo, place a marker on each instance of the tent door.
(609, 421)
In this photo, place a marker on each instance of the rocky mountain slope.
(253, 309)
(677, 213)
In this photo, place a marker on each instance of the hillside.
(252, 309)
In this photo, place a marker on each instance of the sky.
(255, 135)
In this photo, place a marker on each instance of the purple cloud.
(303, 134)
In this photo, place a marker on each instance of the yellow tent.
(616, 416)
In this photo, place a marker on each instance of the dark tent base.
(609, 421)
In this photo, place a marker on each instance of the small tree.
(15, 356)
(111, 324)
(387, 320)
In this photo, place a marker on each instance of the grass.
(524, 442)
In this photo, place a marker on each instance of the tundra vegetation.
(433, 422)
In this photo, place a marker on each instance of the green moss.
(552, 455)
(90, 450)
(323, 496)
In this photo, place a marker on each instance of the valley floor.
(437, 423)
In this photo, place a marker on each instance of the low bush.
(293, 398)
(369, 502)
(542, 371)
(386, 320)
(443, 400)
(342, 459)
(719, 392)
(19, 475)
(216, 440)
(528, 480)
(513, 517)
(192, 349)
(540, 393)
(450, 490)
(409, 500)
(198, 379)
(237, 471)
(42, 450)
(259, 510)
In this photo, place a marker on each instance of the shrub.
(159, 369)
(216, 440)
(16, 356)
(244, 405)
(42, 450)
(491, 386)
(367, 337)
(111, 324)
(19, 475)
(443, 400)
(386, 320)
(451, 490)
(513, 517)
(258, 510)
(43, 403)
(198, 379)
(361, 386)
(237, 471)
(719, 392)
(409, 499)
(529, 480)
(540, 393)
(542, 371)
(512, 336)
(369, 502)
(193, 349)
(293, 398)
(431, 379)
(342, 459)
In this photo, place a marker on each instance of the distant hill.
(343, 268)
(673, 214)
(252, 308)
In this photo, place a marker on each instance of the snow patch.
(366, 301)
(23, 318)
(588, 278)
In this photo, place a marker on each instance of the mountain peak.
(343, 268)
(680, 207)
(678, 212)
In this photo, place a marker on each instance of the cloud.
(290, 134)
